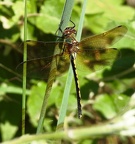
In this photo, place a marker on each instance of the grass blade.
(64, 21)
(70, 76)
(24, 68)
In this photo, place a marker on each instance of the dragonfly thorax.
(72, 47)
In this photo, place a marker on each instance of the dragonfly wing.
(40, 55)
(39, 49)
(105, 39)
(94, 53)
(96, 59)
(63, 64)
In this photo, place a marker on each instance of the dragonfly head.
(69, 31)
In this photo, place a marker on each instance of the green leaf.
(49, 18)
(110, 105)
(8, 130)
(35, 101)
(105, 105)
(101, 13)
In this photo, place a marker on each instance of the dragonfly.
(91, 53)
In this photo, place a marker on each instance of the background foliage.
(104, 94)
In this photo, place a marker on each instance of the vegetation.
(107, 95)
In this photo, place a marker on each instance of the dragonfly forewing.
(40, 55)
(104, 40)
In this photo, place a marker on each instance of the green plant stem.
(24, 68)
(122, 125)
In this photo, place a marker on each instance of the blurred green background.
(105, 93)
